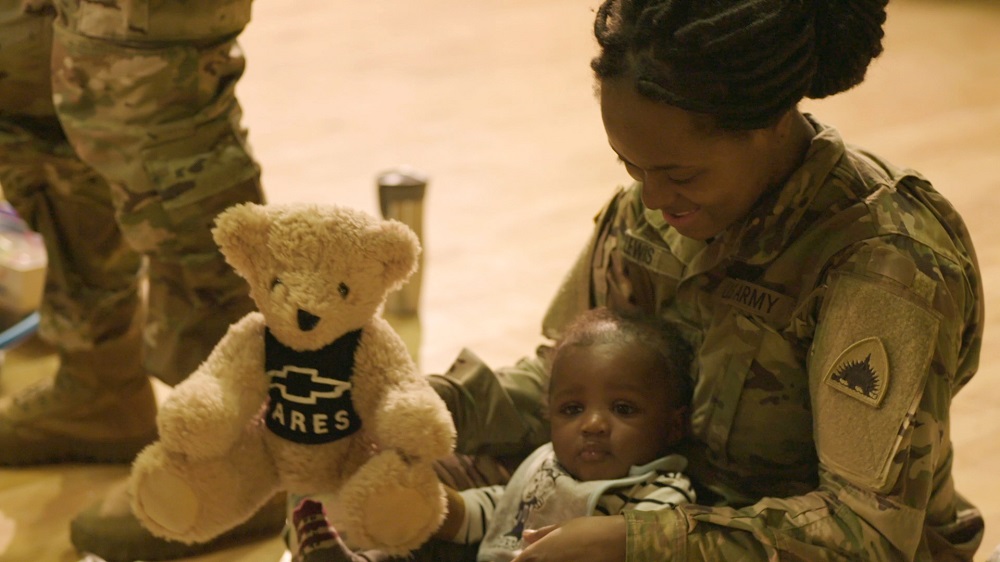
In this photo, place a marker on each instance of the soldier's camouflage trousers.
(120, 140)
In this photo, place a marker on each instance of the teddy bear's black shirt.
(310, 391)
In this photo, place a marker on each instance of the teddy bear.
(312, 393)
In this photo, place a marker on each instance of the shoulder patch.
(861, 372)
(861, 418)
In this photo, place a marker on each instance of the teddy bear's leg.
(196, 500)
(390, 505)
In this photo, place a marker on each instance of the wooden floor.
(493, 100)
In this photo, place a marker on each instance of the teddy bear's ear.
(398, 248)
(240, 232)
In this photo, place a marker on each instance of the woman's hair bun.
(848, 35)
(744, 62)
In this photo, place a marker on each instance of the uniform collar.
(778, 217)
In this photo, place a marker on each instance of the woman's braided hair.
(742, 62)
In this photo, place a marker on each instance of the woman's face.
(610, 410)
(701, 181)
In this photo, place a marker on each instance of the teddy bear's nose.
(307, 321)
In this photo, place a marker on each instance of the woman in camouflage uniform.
(833, 300)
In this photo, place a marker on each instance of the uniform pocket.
(159, 20)
(724, 362)
(752, 404)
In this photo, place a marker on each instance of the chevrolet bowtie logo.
(306, 386)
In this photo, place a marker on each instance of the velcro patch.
(860, 420)
(861, 372)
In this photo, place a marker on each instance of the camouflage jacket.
(832, 327)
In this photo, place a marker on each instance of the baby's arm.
(469, 513)
(455, 517)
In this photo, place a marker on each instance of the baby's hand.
(599, 537)
(532, 535)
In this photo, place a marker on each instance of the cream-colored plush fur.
(316, 273)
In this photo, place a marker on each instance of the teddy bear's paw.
(197, 423)
(398, 516)
(167, 501)
(421, 427)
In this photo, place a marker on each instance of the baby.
(618, 402)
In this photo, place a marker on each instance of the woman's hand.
(584, 538)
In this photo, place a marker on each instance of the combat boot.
(109, 530)
(99, 407)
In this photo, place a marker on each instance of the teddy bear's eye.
(343, 290)
(275, 282)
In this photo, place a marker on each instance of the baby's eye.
(344, 290)
(624, 408)
(570, 409)
(275, 282)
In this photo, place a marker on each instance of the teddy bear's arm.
(206, 413)
(398, 405)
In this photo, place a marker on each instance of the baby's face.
(609, 411)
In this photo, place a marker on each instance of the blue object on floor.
(20, 330)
